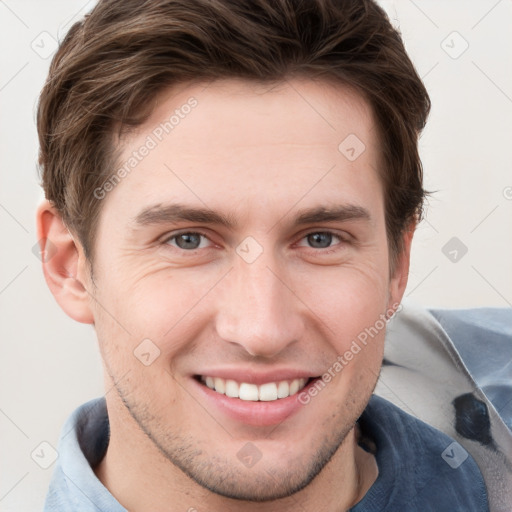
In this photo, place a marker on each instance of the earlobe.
(64, 264)
(400, 277)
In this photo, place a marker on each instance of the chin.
(273, 476)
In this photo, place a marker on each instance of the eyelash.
(168, 239)
(341, 240)
(325, 250)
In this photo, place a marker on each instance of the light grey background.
(50, 364)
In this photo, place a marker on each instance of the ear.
(65, 267)
(400, 274)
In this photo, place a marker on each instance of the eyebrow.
(162, 214)
(332, 214)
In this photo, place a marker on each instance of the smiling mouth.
(268, 392)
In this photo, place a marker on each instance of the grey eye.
(188, 241)
(319, 240)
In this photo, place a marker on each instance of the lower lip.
(258, 414)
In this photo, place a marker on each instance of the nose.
(258, 311)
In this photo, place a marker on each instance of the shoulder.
(420, 468)
(82, 444)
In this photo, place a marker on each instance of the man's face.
(246, 246)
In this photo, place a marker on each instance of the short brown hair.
(111, 65)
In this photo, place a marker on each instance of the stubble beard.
(229, 477)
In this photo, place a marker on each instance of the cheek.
(134, 355)
(350, 306)
(164, 307)
(346, 299)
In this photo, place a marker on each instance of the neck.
(143, 480)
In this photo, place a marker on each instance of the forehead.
(295, 111)
(239, 141)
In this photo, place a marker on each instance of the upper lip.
(250, 376)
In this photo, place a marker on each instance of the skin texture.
(259, 156)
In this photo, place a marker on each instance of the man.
(232, 190)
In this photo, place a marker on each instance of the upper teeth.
(252, 392)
